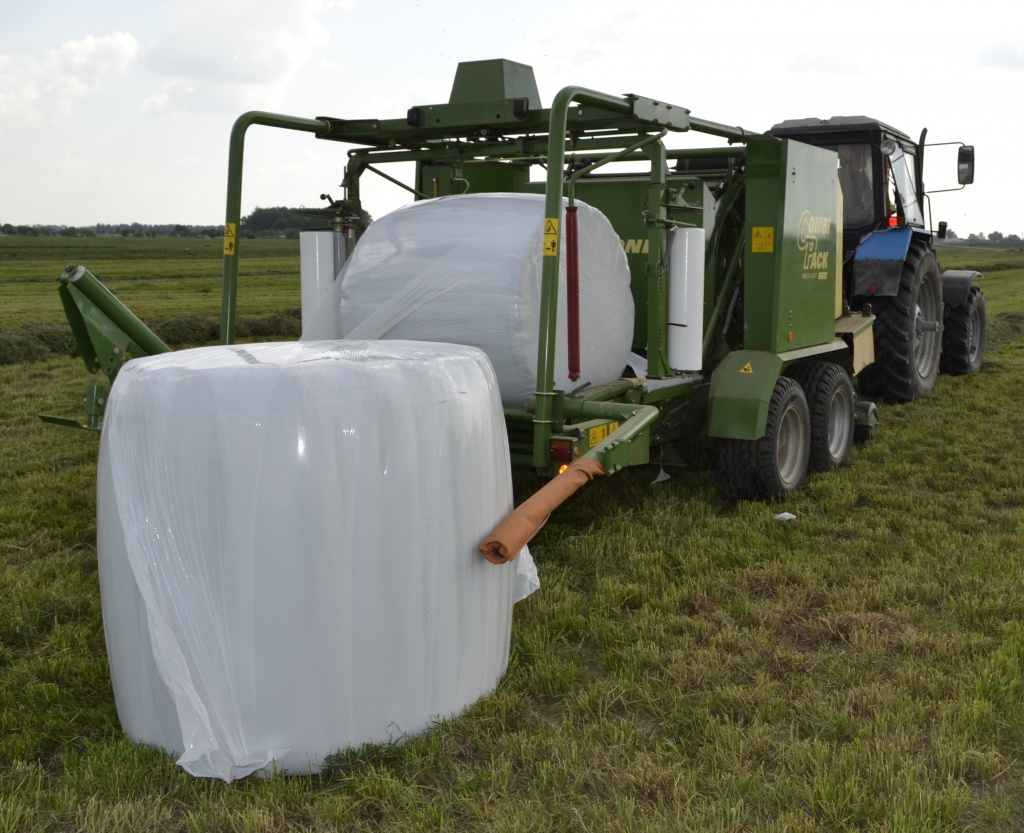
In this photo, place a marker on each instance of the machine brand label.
(812, 234)
(636, 245)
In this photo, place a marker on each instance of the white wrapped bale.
(287, 544)
(467, 270)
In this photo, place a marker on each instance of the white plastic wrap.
(686, 299)
(467, 270)
(319, 253)
(287, 544)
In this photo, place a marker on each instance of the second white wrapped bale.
(467, 270)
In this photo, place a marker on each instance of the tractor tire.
(776, 464)
(830, 402)
(908, 338)
(963, 336)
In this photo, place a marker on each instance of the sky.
(118, 112)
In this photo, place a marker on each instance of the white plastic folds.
(467, 270)
(287, 542)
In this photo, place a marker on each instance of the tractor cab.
(889, 263)
(880, 172)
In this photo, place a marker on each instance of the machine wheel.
(908, 327)
(963, 336)
(776, 464)
(829, 393)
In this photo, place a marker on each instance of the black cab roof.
(837, 125)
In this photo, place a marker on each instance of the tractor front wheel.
(776, 464)
(963, 336)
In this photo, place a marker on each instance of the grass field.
(686, 666)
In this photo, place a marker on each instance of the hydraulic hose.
(518, 528)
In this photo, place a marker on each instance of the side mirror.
(965, 165)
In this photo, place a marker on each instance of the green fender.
(741, 388)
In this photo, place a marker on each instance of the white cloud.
(598, 36)
(184, 94)
(46, 89)
(106, 55)
(234, 54)
(831, 64)
(1003, 55)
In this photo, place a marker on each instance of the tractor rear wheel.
(963, 336)
(776, 464)
(908, 338)
(830, 401)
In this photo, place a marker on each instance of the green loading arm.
(105, 332)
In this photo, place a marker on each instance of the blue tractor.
(927, 321)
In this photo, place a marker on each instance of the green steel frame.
(498, 118)
(487, 137)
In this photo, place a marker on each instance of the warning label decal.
(229, 238)
(550, 236)
(762, 239)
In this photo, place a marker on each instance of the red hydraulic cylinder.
(572, 286)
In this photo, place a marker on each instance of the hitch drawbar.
(626, 445)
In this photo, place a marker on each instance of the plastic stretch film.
(287, 544)
(467, 270)
(686, 299)
(319, 255)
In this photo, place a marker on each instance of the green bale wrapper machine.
(763, 364)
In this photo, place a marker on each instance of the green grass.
(686, 666)
(1002, 274)
(158, 278)
(172, 284)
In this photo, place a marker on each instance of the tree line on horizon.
(281, 221)
(278, 221)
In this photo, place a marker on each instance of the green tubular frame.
(502, 134)
(617, 451)
(585, 121)
(544, 410)
(652, 114)
(233, 212)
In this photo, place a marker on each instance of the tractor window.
(902, 162)
(856, 179)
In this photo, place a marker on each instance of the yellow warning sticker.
(600, 433)
(229, 238)
(762, 239)
(550, 237)
(748, 369)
